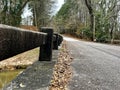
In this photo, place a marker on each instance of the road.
(95, 66)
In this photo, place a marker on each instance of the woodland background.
(96, 20)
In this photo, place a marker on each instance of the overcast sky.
(29, 13)
(59, 4)
(26, 12)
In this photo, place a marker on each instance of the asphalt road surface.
(95, 66)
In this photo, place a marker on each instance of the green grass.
(7, 76)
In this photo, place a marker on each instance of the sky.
(27, 12)
(59, 4)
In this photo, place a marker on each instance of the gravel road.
(95, 66)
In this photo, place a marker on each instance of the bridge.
(16, 40)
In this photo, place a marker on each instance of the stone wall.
(16, 40)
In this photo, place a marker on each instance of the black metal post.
(55, 43)
(46, 49)
(60, 39)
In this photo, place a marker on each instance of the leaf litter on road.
(62, 70)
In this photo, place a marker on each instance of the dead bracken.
(62, 70)
(20, 61)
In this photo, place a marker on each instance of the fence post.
(55, 43)
(46, 49)
(60, 39)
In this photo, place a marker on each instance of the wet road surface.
(95, 66)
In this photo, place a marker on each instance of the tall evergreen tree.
(11, 11)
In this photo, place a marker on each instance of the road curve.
(95, 66)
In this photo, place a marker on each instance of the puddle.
(7, 76)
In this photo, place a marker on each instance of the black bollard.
(60, 39)
(46, 49)
(55, 43)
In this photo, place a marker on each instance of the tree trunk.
(94, 36)
(90, 9)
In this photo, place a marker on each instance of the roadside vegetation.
(96, 20)
(11, 12)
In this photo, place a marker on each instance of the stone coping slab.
(35, 77)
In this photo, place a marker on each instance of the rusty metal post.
(46, 49)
